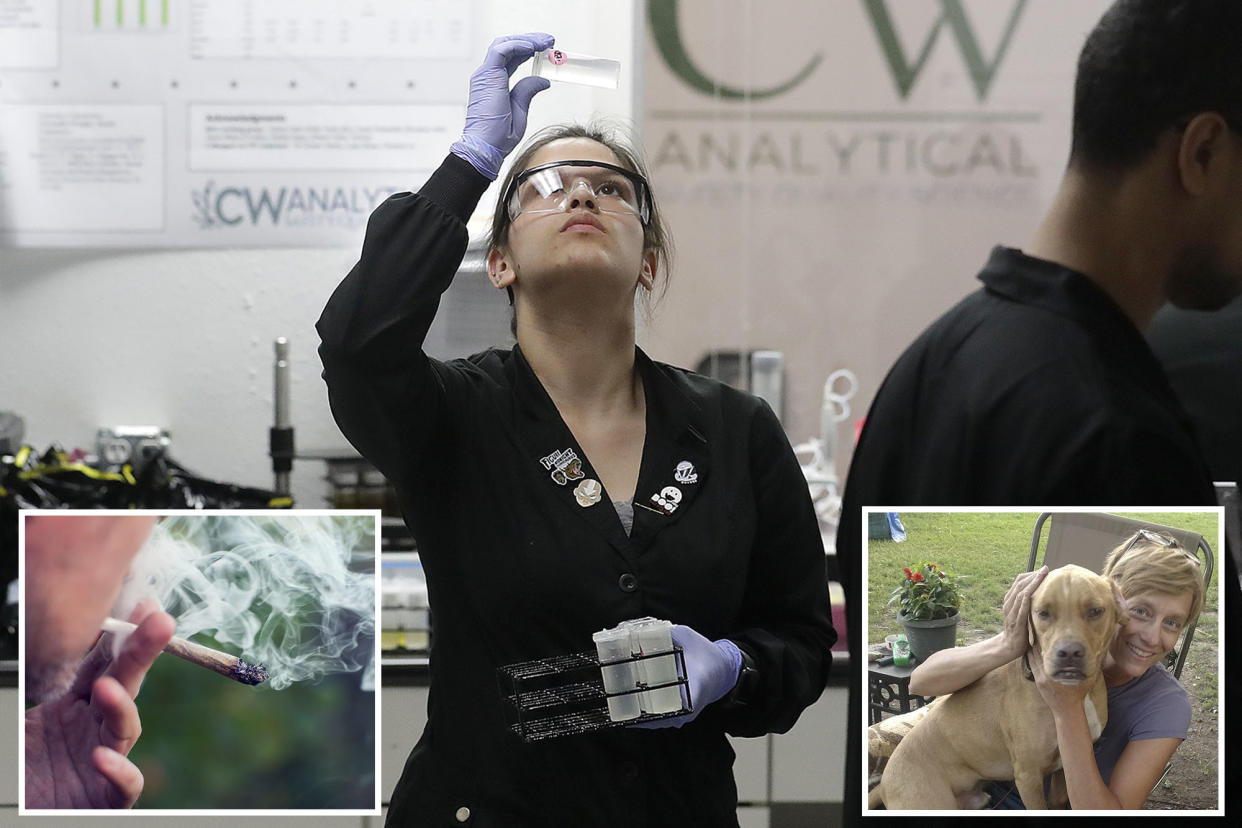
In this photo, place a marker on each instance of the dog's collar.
(1026, 669)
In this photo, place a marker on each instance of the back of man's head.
(1151, 65)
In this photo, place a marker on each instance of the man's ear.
(651, 264)
(499, 270)
(1200, 151)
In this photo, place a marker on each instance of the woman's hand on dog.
(1017, 609)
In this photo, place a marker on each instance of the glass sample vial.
(614, 645)
(567, 67)
(651, 637)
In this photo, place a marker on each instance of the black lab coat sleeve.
(791, 635)
(373, 328)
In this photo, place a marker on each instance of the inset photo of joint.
(198, 661)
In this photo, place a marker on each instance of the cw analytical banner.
(835, 172)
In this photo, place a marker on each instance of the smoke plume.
(278, 588)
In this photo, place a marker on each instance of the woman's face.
(581, 254)
(1153, 622)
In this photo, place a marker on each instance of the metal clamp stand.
(280, 436)
(564, 695)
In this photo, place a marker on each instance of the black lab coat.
(517, 569)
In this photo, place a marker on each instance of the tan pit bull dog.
(999, 727)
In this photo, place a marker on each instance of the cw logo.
(663, 18)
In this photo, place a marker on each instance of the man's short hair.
(1151, 65)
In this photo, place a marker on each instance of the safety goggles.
(553, 188)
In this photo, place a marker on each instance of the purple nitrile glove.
(496, 116)
(712, 670)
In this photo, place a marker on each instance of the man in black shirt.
(1202, 354)
(1039, 388)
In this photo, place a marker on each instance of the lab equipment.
(135, 446)
(563, 695)
(280, 436)
(820, 469)
(767, 379)
(405, 616)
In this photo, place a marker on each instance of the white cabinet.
(9, 745)
(403, 715)
(808, 762)
(750, 769)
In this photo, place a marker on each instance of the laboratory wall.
(836, 172)
(833, 172)
(125, 332)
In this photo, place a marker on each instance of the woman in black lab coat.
(570, 483)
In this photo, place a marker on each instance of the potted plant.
(927, 602)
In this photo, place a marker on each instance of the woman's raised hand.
(496, 115)
(1017, 611)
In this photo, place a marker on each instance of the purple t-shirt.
(1152, 706)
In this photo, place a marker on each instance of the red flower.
(918, 577)
(906, 570)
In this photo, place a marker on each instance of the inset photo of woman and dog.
(1026, 660)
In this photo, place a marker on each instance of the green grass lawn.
(989, 549)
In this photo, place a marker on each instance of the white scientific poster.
(169, 123)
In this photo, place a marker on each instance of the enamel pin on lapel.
(588, 492)
(564, 465)
(667, 499)
(685, 473)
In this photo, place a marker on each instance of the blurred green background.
(209, 742)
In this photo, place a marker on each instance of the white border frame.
(21, 662)
(1218, 552)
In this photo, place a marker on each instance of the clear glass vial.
(568, 67)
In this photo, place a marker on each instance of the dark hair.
(1151, 65)
(655, 235)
